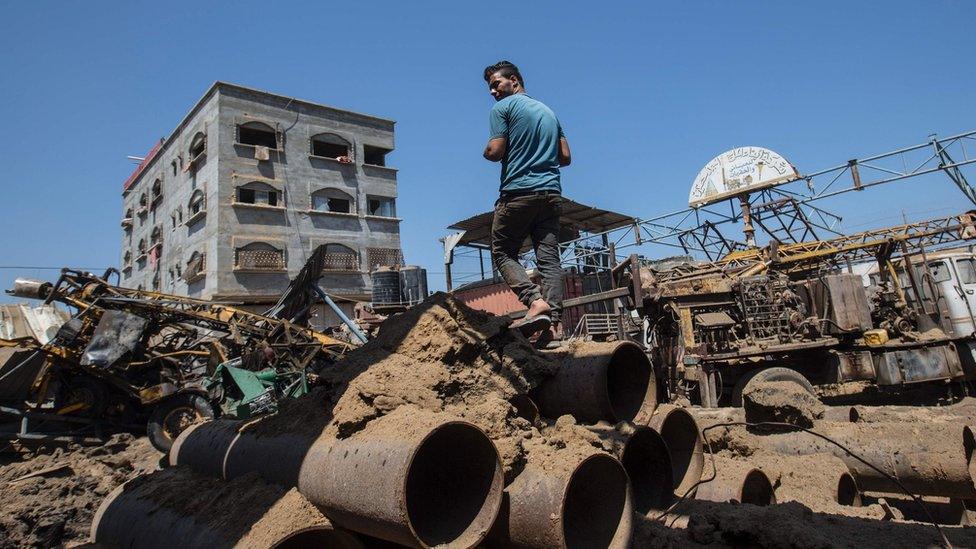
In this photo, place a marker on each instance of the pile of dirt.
(440, 356)
(54, 507)
(783, 402)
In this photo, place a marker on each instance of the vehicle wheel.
(172, 416)
(83, 396)
(778, 373)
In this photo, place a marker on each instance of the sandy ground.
(55, 508)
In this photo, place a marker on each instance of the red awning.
(142, 165)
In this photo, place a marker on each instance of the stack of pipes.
(422, 479)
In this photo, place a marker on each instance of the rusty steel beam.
(600, 381)
(680, 432)
(573, 503)
(179, 508)
(734, 481)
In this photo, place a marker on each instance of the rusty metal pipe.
(573, 504)
(600, 381)
(30, 288)
(818, 481)
(203, 446)
(680, 432)
(737, 482)
(180, 508)
(647, 461)
(957, 413)
(930, 459)
(416, 479)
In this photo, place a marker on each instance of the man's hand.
(496, 148)
(564, 155)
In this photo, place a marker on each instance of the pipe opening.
(648, 464)
(854, 416)
(453, 486)
(525, 408)
(847, 492)
(680, 432)
(757, 490)
(630, 384)
(595, 505)
(319, 536)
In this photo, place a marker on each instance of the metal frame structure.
(785, 214)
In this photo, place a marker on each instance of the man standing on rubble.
(528, 140)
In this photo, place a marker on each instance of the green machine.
(245, 393)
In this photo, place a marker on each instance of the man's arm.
(564, 155)
(496, 148)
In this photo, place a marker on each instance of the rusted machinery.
(129, 355)
(789, 312)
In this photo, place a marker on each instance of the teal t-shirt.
(531, 160)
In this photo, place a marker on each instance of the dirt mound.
(782, 401)
(439, 356)
(55, 508)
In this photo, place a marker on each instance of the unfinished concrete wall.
(275, 184)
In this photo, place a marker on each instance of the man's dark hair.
(507, 68)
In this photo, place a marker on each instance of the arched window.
(127, 259)
(143, 203)
(197, 150)
(196, 267)
(127, 220)
(198, 146)
(256, 192)
(340, 258)
(157, 189)
(333, 200)
(257, 134)
(142, 246)
(259, 256)
(330, 145)
(197, 204)
(156, 236)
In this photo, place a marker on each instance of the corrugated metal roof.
(576, 218)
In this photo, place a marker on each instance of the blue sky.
(647, 93)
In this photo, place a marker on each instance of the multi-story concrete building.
(230, 205)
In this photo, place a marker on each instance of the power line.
(27, 267)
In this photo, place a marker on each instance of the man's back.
(531, 161)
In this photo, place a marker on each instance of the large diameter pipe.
(928, 459)
(179, 508)
(819, 481)
(418, 480)
(680, 432)
(956, 413)
(600, 381)
(582, 502)
(414, 478)
(735, 481)
(647, 461)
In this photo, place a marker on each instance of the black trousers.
(534, 217)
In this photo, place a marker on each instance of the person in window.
(528, 140)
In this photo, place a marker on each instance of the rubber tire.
(775, 373)
(158, 436)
